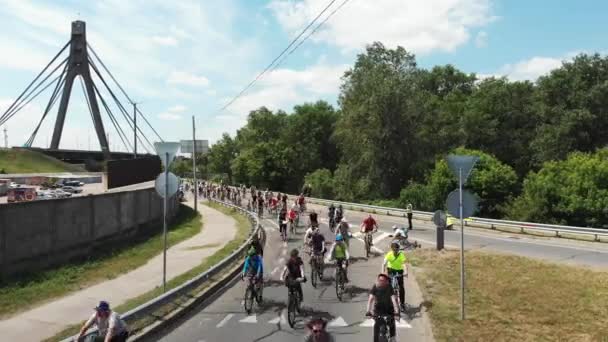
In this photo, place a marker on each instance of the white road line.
(224, 321)
(249, 319)
(368, 323)
(338, 322)
(275, 320)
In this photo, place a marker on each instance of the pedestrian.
(408, 210)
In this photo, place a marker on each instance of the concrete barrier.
(36, 235)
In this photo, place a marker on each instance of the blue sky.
(190, 57)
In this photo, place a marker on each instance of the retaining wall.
(39, 234)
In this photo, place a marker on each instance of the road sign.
(162, 148)
(159, 184)
(440, 218)
(466, 163)
(469, 203)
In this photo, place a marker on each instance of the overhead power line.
(277, 58)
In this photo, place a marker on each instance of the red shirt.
(369, 223)
(301, 200)
(273, 201)
(292, 214)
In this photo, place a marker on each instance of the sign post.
(461, 165)
(195, 183)
(166, 187)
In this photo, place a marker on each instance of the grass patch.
(23, 161)
(511, 298)
(243, 230)
(22, 292)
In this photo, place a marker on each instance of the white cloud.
(178, 109)
(481, 40)
(189, 79)
(420, 26)
(211, 92)
(284, 88)
(530, 69)
(165, 40)
(169, 116)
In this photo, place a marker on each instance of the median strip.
(512, 298)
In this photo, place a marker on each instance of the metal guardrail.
(149, 308)
(477, 222)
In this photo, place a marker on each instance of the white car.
(71, 189)
(13, 185)
(61, 194)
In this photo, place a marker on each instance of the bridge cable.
(29, 98)
(122, 90)
(119, 130)
(50, 104)
(120, 106)
(277, 58)
(35, 79)
(310, 34)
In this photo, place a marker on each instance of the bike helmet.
(331, 205)
(394, 244)
(343, 220)
(339, 237)
(395, 227)
(294, 253)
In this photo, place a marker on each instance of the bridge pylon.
(78, 65)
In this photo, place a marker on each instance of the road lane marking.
(338, 322)
(224, 321)
(402, 324)
(249, 319)
(368, 323)
(275, 320)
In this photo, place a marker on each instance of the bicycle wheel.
(339, 286)
(248, 300)
(320, 269)
(313, 273)
(367, 246)
(291, 310)
(383, 333)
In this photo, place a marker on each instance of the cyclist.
(395, 264)
(282, 220)
(339, 214)
(302, 203)
(409, 212)
(254, 266)
(273, 203)
(292, 215)
(314, 221)
(261, 203)
(293, 272)
(109, 324)
(382, 302)
(369, 225)
(331, 212)
(317, 242)
(344, 230)
(339, 252)
(318, 332)
(257, 245)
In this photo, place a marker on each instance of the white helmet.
(395, 227)
(344, 220)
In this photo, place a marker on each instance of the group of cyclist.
(382, 301)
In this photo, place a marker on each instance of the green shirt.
(395, 262)
(340, 251)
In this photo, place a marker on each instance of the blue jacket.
(255, 263)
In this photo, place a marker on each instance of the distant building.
(202, 146)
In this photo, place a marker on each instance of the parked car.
(13, 185)
(44, 195)
(73, 183)
(71, 189)
(61, 194)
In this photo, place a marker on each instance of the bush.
(492, 181)
(322, 183)
(572, 191)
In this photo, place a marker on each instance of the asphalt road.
(226, 320)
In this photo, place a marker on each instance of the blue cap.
(339, 237)
(103, 306)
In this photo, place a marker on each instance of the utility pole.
(5, 137)
(195, 183)
(134, 130)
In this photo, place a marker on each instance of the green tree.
(376, 129)
(322, 183)
(572, 191)
(493, 181)
(220, 157)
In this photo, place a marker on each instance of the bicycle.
(260, 211)
(384, 331)
(316, 268)
(332, 224)
(252, 292)
(283, 230)
(395, 284)
(368, 243)
(297, 222)
(293, 301)
(340, 279)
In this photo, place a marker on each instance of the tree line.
(540, 143)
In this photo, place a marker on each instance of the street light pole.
(195, 184)
(461, 246)
(166, 200)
